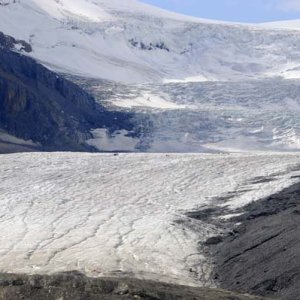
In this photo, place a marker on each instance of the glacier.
(214, 105)
(253, 115)
(126, 214)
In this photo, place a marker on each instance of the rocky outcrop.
(10, 43)
(150, 46)
(39, 105)
(74, 286)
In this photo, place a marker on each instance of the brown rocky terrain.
(74, 286)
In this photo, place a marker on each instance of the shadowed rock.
(262, 255)
(36, 104)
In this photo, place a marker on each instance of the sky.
(251, 11)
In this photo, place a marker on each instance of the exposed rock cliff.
(10, 43)
(36, 104)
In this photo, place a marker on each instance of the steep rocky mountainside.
(38, 105)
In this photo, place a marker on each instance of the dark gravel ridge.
(75, 286)
(261, 255)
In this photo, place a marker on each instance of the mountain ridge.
(114, 40)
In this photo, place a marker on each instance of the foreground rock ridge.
(75, 286)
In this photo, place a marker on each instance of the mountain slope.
(243, 103)
(260, 253)
(133, 42)
(44, 109)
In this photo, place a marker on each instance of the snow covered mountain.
(190, 84)
(125, 76)
(133, 42)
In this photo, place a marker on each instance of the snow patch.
(148, 100)
(7, 138)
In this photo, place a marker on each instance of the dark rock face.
(9, 43)
(262, 255)
(74, 286)
(36, 104)
(150, 46)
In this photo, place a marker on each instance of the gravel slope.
(262, 254)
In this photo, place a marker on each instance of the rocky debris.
(39, 105)
(8, 2)
(149, 46)
(261, 255)
(75, 286)
(4, 2)
(10, 43)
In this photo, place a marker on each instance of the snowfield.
(106, 214)
(133, 42)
